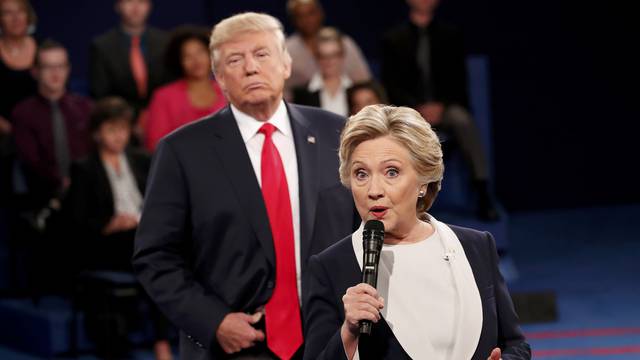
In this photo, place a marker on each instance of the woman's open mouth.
(378, 211)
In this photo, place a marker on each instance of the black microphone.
(372, 239)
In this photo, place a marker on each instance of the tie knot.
(267, 129)
(135, 41)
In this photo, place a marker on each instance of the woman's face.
(113, 136)
(385, 185)
(330, 59)
(14, 20)
(195, 59)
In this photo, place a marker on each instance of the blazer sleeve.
(80, 203)
(510, 337)
(160, 261)
(322, 317)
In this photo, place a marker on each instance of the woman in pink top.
(193, 96)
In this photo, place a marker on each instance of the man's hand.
(495, 354)
(236, 333)
(432, 112)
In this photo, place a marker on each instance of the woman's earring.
(421, 194)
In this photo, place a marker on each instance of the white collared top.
(415, 307)
(284, 142)
(337, 104)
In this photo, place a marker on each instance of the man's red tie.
(282, 311)
(138, 66)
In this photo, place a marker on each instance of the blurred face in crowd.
(195, 60)
(52, 70)
(385, 184)
(423, 5)
(251, 69)
(113, 135)
(330, 59)
(307, 18)
(14, 20)
(133, 13)
(361, 98)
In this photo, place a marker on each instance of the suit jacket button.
(270, 284)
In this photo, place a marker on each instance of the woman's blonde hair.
(407, 128)
(228, 28)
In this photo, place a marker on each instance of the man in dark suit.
(237, 202)
(423, 67)
(127, 61)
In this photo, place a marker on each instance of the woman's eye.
(361, 175)
(392, 172)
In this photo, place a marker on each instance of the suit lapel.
(233, 155)
(306, 154)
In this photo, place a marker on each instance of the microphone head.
(374, 225)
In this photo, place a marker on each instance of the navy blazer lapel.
(306, 154)
(234, 157)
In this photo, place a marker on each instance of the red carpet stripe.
(633, 349)
(582, 333)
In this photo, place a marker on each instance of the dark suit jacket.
(302, 96)
(336, 269)
(89, 207)
(110, 71)
(204, 247)
(401, 74)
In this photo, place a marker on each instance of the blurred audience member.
(365, 93)
(423, 66)
(51, 128)
(17, 52)
(307, 17)
(194, 95)
(127, 61)
(328, 87)
(105, 198)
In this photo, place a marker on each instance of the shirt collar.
(316, 83)
(249, 126)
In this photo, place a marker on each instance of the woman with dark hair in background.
(17, 53)
(194, 95)
(105, 200)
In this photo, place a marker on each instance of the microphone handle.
(369, 276)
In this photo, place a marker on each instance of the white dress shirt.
(337, 103)
(126, 195)
(283, 140)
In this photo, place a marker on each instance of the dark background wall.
(564, 81)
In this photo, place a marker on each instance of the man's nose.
(251, 65)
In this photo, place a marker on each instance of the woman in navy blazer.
(440, 294)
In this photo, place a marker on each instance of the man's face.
(53, 69)
(307, 18)
(251, 69)
(133, 12)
